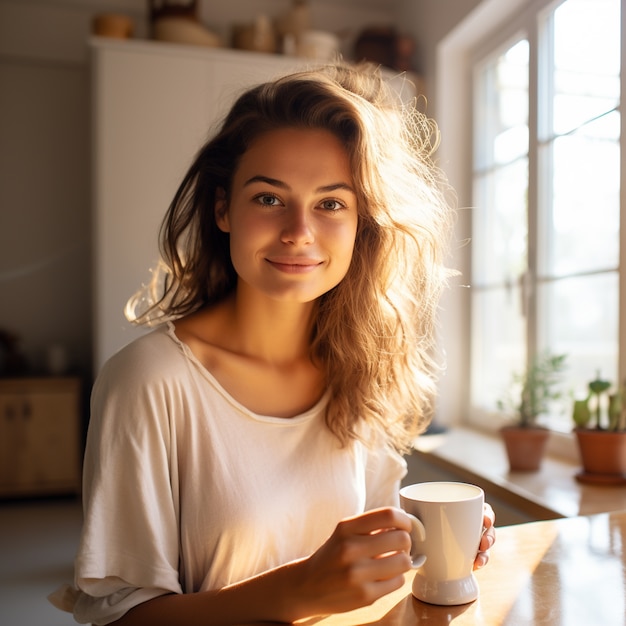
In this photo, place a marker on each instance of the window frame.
(491, 25)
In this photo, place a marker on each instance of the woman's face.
(292, 215)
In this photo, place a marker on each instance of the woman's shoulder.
(153, 356)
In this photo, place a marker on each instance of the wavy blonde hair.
(374, 333)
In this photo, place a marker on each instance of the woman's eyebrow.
(334, 187)
(266, 179)
(282, 185)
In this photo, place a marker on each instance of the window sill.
(551, 492)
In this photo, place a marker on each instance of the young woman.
(244, 458)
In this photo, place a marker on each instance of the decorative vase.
(525, 447)
(603, 456)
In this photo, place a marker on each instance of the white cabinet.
(154, 105)
(40, 451)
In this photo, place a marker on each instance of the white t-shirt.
(186, 490)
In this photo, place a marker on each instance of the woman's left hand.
(488, 538)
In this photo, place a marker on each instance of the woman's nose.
(297, 227)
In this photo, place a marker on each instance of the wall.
(430, 22)
(45, 239)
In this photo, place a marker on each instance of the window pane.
(586, 60)
(499, 242)
(581, 319)
(582, 231)
(499, 223)
(498, 330)
(502, 107)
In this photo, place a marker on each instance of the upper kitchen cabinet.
(154, 105)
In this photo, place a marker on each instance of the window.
(545, 197)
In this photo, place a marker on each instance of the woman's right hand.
(364, 559)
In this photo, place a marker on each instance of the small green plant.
(533, 390)
(594, 413)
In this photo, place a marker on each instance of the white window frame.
(493, 22)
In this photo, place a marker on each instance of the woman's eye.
(267, 199)
(332, 205)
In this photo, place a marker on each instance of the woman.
(244, 458)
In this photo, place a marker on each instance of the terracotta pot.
(525, 447)
(603, 456)
(116, 26)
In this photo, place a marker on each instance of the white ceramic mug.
(447, 527)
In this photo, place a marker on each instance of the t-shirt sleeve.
(385, 470)
(129, 550)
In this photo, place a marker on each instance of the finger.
(489, 516)
(487, 539)
(482, 558)
(387, 542)
(377, 520)
(362, 549)
(390, 567)
(376, 589)
(383, 568)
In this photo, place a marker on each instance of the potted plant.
(600, 428)
(530, 396)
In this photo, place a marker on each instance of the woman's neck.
(258, 351)
(275, 332)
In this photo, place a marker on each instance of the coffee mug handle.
(418, 534)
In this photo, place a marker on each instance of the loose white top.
(187, 490)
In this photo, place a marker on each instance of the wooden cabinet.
(40, 438)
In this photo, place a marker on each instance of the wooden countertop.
(566, 571)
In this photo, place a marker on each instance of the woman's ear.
(221, 210)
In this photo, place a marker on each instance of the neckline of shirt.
(307, 415)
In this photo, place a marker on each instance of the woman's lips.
(295, 266)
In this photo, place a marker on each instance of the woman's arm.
(363, 560)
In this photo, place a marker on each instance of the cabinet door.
(39, 432)
(49, 441)
(10, 410)
(154, 106)
(150, 117)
